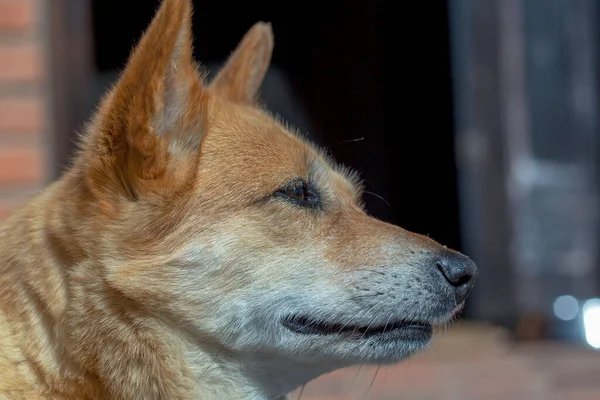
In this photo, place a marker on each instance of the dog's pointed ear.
(148, 129)
(241, 77)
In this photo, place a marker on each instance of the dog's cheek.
(147, 284)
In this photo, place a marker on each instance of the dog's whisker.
(374, 270)
(377, 196)
(301, 392)
(218, 352)
(374, 377)
(350, 141)
(355, 377)
(369, 326)
(358, 319)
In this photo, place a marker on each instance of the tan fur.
(122, 279)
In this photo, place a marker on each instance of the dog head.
(211, 214)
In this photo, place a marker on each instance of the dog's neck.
(251, 376)
(126, 355)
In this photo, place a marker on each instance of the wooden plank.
(486, 224)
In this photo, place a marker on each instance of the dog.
(198, 249)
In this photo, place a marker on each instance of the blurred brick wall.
(23, 99)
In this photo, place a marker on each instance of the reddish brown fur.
(86, 276)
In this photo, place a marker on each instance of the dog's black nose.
(459, 271)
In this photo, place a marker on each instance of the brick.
(21, 63)
(5, 210)
(17, 15)
(21, 166)
(22, 115)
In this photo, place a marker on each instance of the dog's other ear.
(148, 129)
(241, 77)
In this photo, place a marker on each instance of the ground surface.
(470, 362)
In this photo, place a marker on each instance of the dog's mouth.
(307, 326)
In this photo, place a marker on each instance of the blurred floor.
(472, 362)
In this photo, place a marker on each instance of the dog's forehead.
(247, 146)
(239, 134)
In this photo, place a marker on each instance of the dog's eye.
(300, 193)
